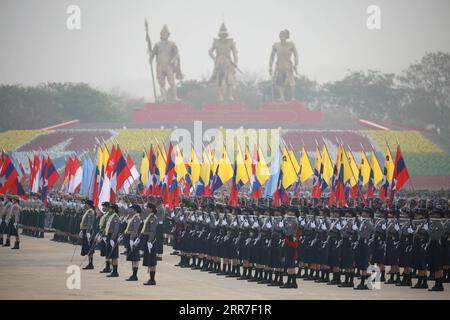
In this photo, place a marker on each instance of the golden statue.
(224, 53)
(285, 68)
(167, 65)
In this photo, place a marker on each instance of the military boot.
(7, 243)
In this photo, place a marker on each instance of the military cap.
(151, 206)
(105, 204)
(136, 208)
(89, 203)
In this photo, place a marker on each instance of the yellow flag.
(180, 166)
(241, 171)
(225, 168)
(99, 158)
(389, 165)
(160, 163)
(195, 167)
(365, 168)
(262, 172)
(377, 173)
(105, 158)
(355, 169)
(345, 164)
(287, 168)
(294, 161)
(338, 160)
(213, 160)
(248, 161)
(144, 168)
(305, 165)
(318, 161)
(327, 165)
(205, 169)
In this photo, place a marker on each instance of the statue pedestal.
(228, 112)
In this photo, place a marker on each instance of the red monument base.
(271, 112)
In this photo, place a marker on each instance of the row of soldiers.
(141, 231)
(9, 220)
(297, 241)
(316, 243)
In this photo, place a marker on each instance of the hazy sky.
(110, 49)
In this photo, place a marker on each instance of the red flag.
(8, 174)
(122, 171)
(52, 174)
(401, 174)
(17, 189)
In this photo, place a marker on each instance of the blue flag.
(272, 182)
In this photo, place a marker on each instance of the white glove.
(354, 227)
(120, 238)
(410, 230)
(224, 222)
(234, 223)
(111, 242)
(104, 239)
(302, 223)
(149, 246)
(324, 227)
(216, 223)
(281, 224)
(396, 227)
(80, 234)
(208, 220)
(344, 222)
(15, 225)
(172, 215)
(136, 241)
(383, 226)
(313, 225)
(425, 226)
(255, 225)
(269, 225)
(338, 226)
(246, 224)
(181, 218)
(131, 242)
(88, 235)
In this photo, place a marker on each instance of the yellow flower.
(409, 141)
(12, 139)
(136, 139)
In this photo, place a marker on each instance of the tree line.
(419, 96)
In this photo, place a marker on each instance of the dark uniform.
(148, 238)
(87, 239)
(290, 230)
(112, 238)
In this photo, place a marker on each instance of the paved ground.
(38, 271)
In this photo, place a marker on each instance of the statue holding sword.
(285, 68)
(225, 56)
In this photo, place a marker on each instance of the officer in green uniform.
(132, 232)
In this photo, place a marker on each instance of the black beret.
(293, 209)
(105, 204)
(151, 206)
(89, 202)
(136, 208)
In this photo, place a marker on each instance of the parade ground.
(38, 271)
